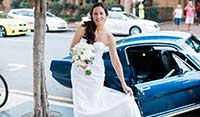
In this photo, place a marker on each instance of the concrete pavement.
(21, 104)
(169, 25)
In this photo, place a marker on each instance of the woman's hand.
(84, 67)
(127, 90)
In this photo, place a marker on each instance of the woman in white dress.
(90, 97)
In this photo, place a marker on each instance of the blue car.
(162, 68)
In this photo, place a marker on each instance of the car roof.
(19, 9)
(29, 9)
(156, 37)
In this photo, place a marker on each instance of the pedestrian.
(198, 12)
(90, 97)
(190, 12)
(177, 13)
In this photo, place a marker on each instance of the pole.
(134, 7)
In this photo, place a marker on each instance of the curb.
(50, 97)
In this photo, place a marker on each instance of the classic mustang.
(162, 68)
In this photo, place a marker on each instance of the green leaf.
(88, 72)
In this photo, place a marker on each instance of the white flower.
(83, 54)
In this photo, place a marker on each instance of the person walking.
(198, 12)
(90, 97)
(177, 13)
(190, 12)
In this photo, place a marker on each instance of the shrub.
(21, 4)
(55, 8)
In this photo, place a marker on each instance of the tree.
(127, 5)
(41, 105)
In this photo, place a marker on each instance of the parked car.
(118, 9)
(162, 68)
(11, 27)
(53, 23)
(123, 23)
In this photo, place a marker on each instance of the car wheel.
(2, 31)
(134, 30)
(46, 28)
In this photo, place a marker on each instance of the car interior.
(151, 64)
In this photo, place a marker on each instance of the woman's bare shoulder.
(110, 38)
(80, 30)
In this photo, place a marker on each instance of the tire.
(134, 30)
(46, 28)
(2, 31)
(3, 91)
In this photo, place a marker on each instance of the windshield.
(50, 14)
(193, 48)
(194, 43)
(130, 16)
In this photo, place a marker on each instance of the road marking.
(16, 66)
(50, 97)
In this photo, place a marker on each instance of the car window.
(185, 67)
(194, 43)
(24, 13)
(115, 16)
(30, 13)
(152, 64)
(130, 16)
(50, 15)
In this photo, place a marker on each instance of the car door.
(172, 93)
(111, 78)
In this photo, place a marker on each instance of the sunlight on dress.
(92, 99)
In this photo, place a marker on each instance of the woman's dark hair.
(90, 25)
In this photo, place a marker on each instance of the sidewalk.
(169, 25)
(19, 105)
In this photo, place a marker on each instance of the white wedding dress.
(92, 99)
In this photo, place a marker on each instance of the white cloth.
(92, 99)
(189, 20)
(178, 13)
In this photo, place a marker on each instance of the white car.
(124, 23)
(53, 23)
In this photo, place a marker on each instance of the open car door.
(175, 92)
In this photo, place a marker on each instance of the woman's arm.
(117, 64)
(77, 36)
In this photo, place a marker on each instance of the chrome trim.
(177, 111)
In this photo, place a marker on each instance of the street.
(16, 63)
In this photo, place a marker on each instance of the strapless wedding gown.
(92, 99)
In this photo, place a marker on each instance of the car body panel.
(53, 22)
(13, 26)
(160, 68)
(120, 23)
(166, 94)
(59, 67)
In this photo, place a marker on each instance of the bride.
(90, 97)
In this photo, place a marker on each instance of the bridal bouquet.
(83, 54)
